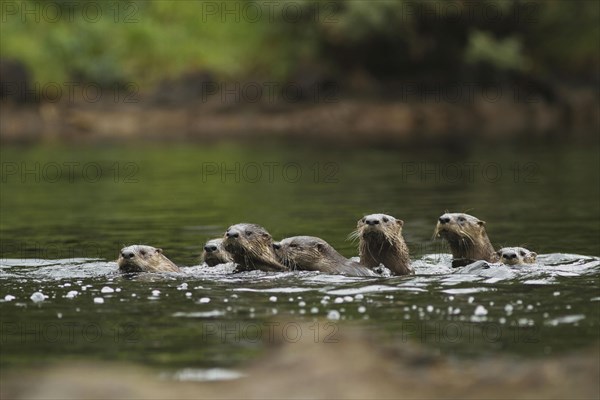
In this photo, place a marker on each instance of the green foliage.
(504, 53)
(147, 41)
(566, 37)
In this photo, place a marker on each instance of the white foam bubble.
(37, 297)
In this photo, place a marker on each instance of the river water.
(66, 212)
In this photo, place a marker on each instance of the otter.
(251, 247)
(142, 258)
(381, 242)
(311, 253)
(514, 256)
(215, 254)
(466, 236)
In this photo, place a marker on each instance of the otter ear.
(533, 254)
(400, 222)
(481, 223)
(266, 235)
(320, 246)
(159, 250)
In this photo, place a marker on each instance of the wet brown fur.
(145, 259)
(383, 243)
(218, 256)
(252, 249)
(311, 253)
(466, 236)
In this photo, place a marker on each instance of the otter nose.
(210, 248)
(508, 256)
(128, 254)
(444, 220)
(372, 221)
(276, 245)
(232, 234)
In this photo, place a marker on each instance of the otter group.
(381, 243)
(469, 242)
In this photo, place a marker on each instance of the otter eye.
(363, 220)
(293, 245)
(248, 233)
(522, 253)
(385, 219)
(143, 252)
(462, 219)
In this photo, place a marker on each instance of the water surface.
(62, 228)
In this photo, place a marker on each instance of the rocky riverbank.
(340, 120)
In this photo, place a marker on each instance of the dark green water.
(66, 211)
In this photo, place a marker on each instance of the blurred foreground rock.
(356, 367)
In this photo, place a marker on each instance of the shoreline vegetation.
(366, 72)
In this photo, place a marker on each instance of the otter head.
(455, 226)
(514, 256)
(250, 245)
(378, 226)
(305, 252)
(215, 254)
(381, 242)
(466, 236)
(142, 258)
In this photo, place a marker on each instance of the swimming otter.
(215, 254)
(514, 256)
(251, 247)
(381, 242)
(466, 236)
(311, 253)
(142, 258)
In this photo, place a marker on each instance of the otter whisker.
(354, 235)
(436, 232)
(463, 245)
(290, 263)
(467, 235)
(380, 248)
(390, 239)
(370, 253)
